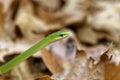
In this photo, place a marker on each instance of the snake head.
(60, 35)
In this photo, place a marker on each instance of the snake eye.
(61, 35)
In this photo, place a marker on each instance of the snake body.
(49, 39)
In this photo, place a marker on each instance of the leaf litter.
(90, 53)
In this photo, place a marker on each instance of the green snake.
(49, 39)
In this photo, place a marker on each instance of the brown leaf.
(51, 5)
(106, 20)
(115, 56)
(77, 16)
(2, 22)
(59, 54)
(83, 33)
(19, 72)
(112, 72)
(28, 23)
(44, 78)
(97, 52)
(94, 22)
(85, 67)
(52, 61)
(79, 67)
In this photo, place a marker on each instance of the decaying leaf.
(84, 68)
(107, 20)
(19, 73)
(59, 54)
(28, 23)
(83, 33)
(2, 28)
(44, 78)
(77, 16)
(52, 62)
(115, 56)
(112, 72)
(86, 55)
(51, 5)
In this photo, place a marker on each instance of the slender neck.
(24, 55)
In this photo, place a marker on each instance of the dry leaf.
(2, 21)
(86, 68)
(69, 16)
(19, 72)
(83, 33)
(95, 22)
(115, 56)
(107, 20)
(51, 5)
(59, 54)
(112, 72)
(44, 78)
(52, 61)
(28, 23)
(96, 52)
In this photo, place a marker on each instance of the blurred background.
(92, 52)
